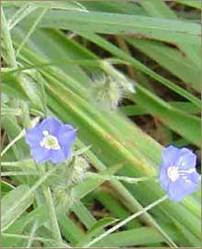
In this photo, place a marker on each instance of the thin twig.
(31, 31)
(8, 41)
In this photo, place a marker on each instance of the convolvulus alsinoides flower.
(51, 140)
(178, 175)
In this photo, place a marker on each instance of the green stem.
(20, 236)
(124, 222)
(19, 173)
(51, 209)
(33, 231)
(7, 41)
(120, 178)
(20, 135)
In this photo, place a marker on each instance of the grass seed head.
(107, 92)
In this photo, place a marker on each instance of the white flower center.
(49, 142)
(173, 173)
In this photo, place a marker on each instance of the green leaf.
(158, 8)
(90, 184)
(171, 59)
(5, 187)
(96, 229)
(134, 237)
(82, 212)
(11, 86)
(193, 3)
(33, 90)
(116, 209)
(186, 125)
(12, 208)
(69, 229)
(121, 24)
(102, 223)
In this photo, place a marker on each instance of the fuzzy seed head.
(80, 168)
(107, 92)
(64, 198)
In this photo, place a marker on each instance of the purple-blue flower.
(51, 140)
(178, 175)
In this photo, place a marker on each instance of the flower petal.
(186, 160)
(33, 136)
(51, 124)
(169, 156)
(163, 177)
(66, 135)
(39, 154)
(57, 156)
(195, 177)
(180, 189)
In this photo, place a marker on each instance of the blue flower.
(178, 175)
(51, 140)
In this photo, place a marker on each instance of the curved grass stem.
(124, 222)
(19, 136)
